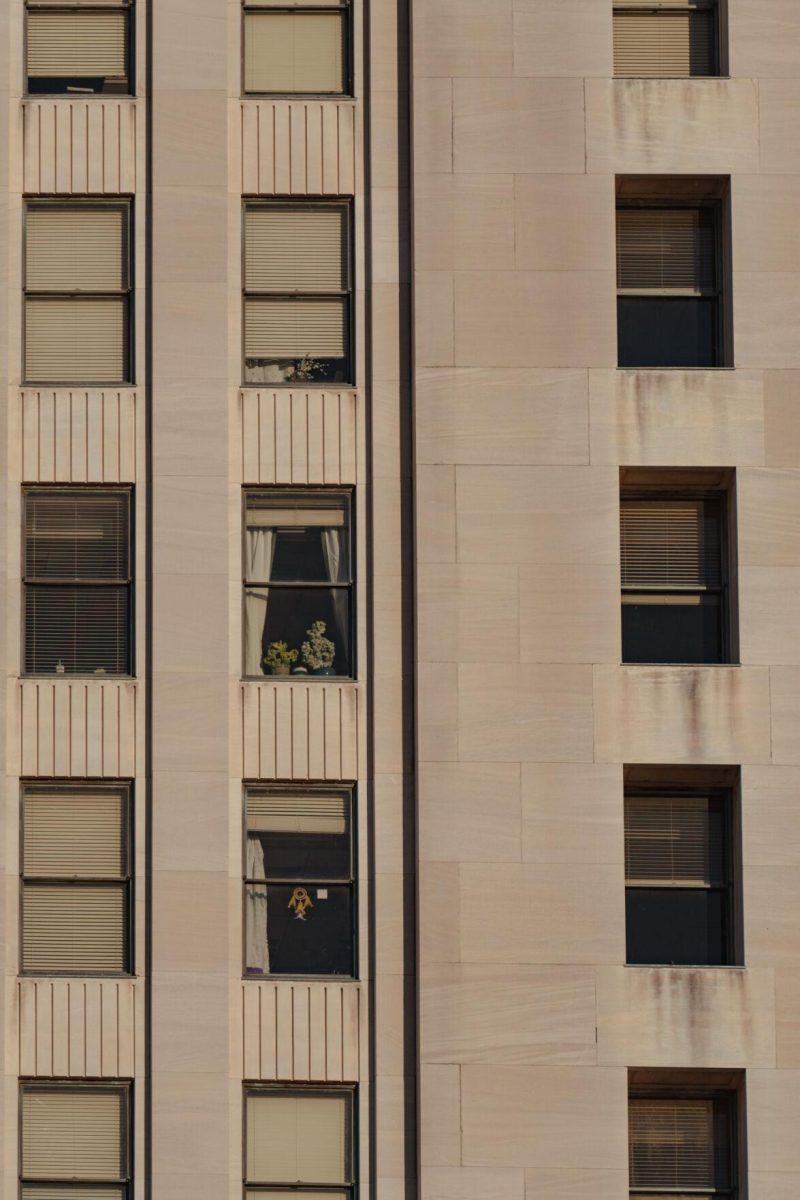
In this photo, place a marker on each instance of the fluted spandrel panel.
(301, 1031)
(291, 437)
(79, 1028)
(300, 730)
(78, 436)
(298, 147)
(75, 728)
(74, 147)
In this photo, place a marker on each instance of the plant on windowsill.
(279, 658)
(303, 371)
(319, 651)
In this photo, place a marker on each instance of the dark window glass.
(672, 631)
(298, 583)
(674, 332)
(299, 901)
(679, 927)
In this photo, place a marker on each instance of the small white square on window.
(322, 893)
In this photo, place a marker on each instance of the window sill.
(683, 370)
(298, 678)
(332, 979)
(70, 677)
(315, 386)
(683, 666)
(686, 967)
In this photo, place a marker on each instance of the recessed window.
(675, 602)
(298, 583)
(682, 1144)
(296, 49)
(299, 903)
(669, 285)
(678, 877)
(78, 48)
(77, 292)
(676, 39)
(297, 293)
(298, 1139)
(77, 581)
(75, 879)
(75, 1141)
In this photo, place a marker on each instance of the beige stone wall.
(529, 1018)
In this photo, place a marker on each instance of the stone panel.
(79, 147)
(80, 1028)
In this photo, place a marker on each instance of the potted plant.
(319, 651)
(279, 658)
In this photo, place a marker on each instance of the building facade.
(401, 528)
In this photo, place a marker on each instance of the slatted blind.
(312, 813)
(296, 249)
(77, 534)
(671, 544)
(81, 44)
(666, 249)
(73, 1133)
(81, 248)
(277, 329)
(673, 839)
(294, 52)
(73, 927)
(671, 1143)
(75, 1193)
(296, 1138)
(297, 1195)
(74, 833)
(76, 341)
(663, 43)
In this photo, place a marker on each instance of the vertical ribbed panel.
(300, 730)
(76, 1028)
(301, 1031)
(79, 728)
(296, 148)
(78, 436)
(74, 147)
(298, 437)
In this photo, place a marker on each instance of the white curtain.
(260, 547)
(256, 943)
(332, 548)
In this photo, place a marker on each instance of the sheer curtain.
(260, 547)
(256, 943)
(333, 549)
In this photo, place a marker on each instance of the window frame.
(724, 796)
(347, 295)
(348, 493)
(345, 7)
(660, 10)
(339, 789)
(129, 583)
(721, 497)
(124, 1088)
(256, 1088)
(724, 1096)
(125, 883)
(719, 293)
(128, 88)
(126, 295)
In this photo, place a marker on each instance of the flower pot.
(323, 671)
(281, 670)
(300, 671)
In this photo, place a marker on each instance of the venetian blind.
(82, 248)
(87, 44)
(73, 1133)
(673, 42)
(672, 839)
(670, 544)
(77, 630)
(277, 329)
(72, 833)
(76, 534)
(296, 249)
(312, 813)
(74, 1193)
(76, 341)
(294, 1138)
(294, 52)
(73, 927)
(665, 249)
(671, 1143)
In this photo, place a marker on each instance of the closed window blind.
(77, 582)
(295, 328)
(672, 1144)
(298, 1138)
(74, 834)
(678, 41)
(666, 250)
(73, 928)
(76, 249)
(296, 249)
(270, 813)
(671, 544)
(671, 839)
(74, 1134)
(76, 341)
(294, 52)
(77, 44)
